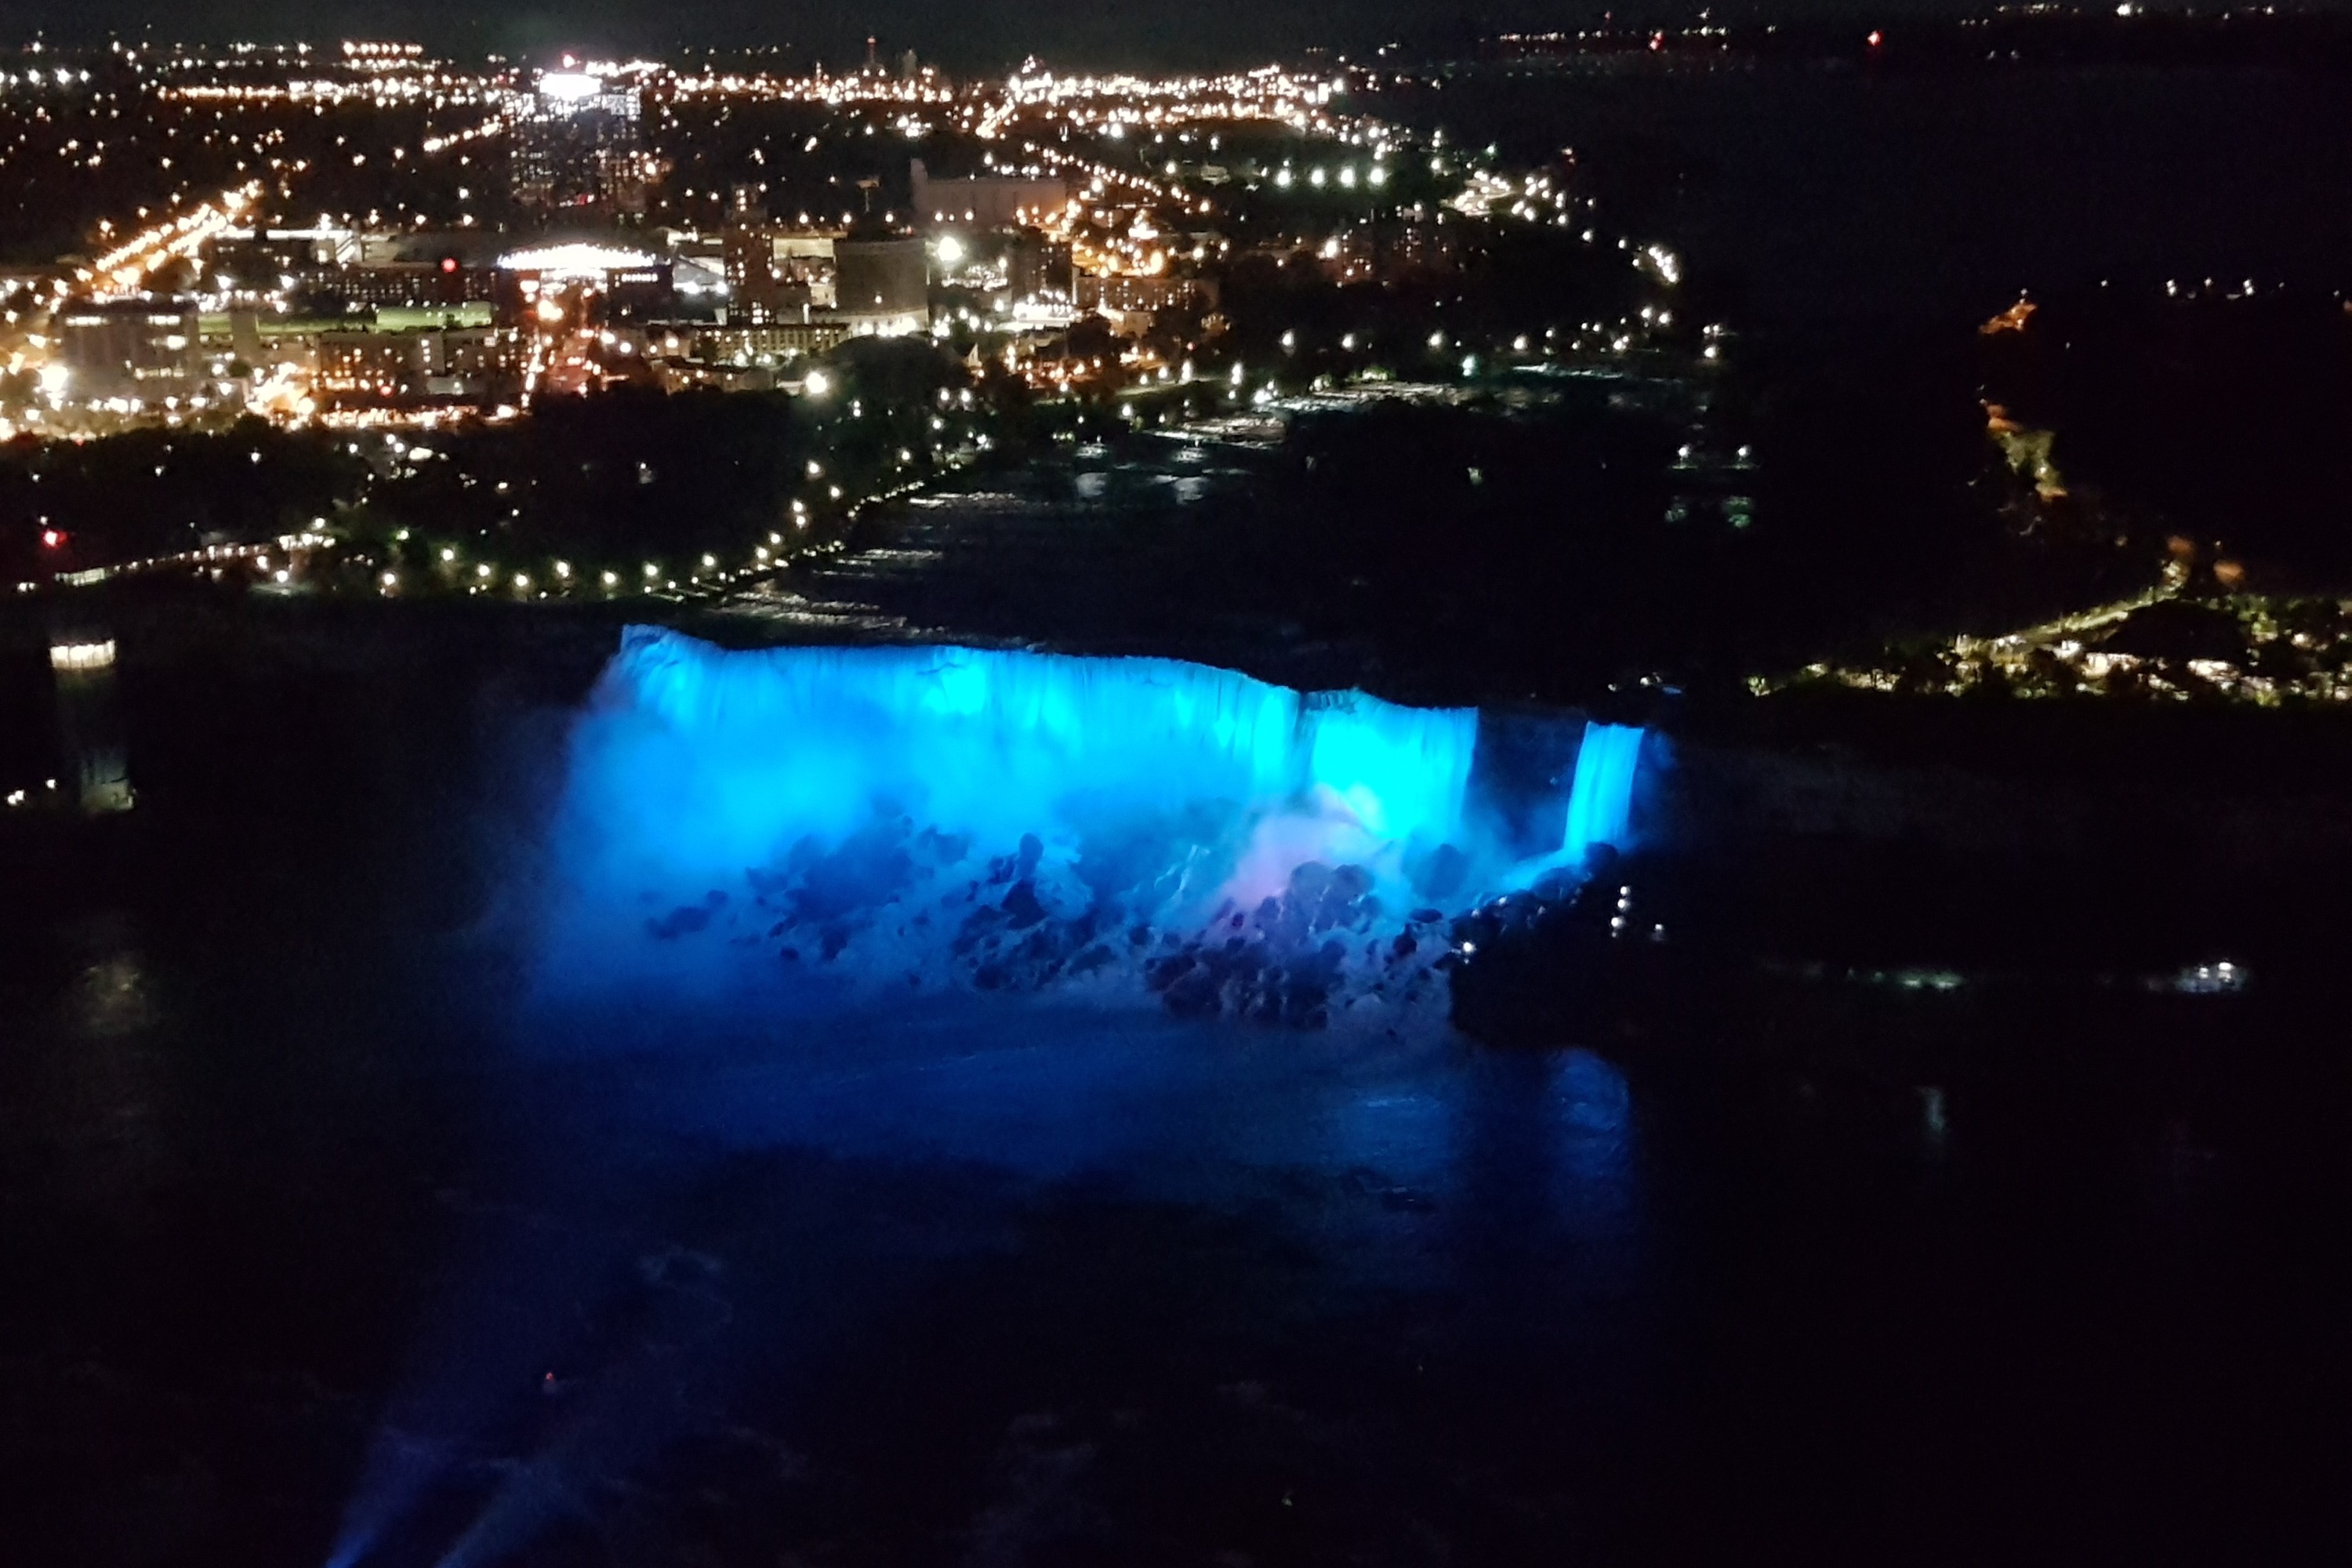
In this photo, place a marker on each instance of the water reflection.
(605, 1309)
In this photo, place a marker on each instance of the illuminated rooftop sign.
(569, 87)
(577, 260)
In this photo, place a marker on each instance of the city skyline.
(1183, 33)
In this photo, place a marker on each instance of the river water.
(329, 1238)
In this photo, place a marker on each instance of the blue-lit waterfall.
(1601, 799)
(912, 817)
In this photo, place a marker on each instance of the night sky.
(958, 33)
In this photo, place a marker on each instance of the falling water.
(909, 816)
(765, 747)
(1600, 800)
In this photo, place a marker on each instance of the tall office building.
(576, 144)
(864, 286)
(129, 348)
(81, 661)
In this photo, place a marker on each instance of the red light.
(1876, 38)
(449, 263)
(53, 537)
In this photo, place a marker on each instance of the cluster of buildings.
(457, 321)
(216, 310)
(600, 220)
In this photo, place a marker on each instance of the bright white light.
(816, 385)
(81, 655)
(949, 249)
(576, 259)
(569, 87)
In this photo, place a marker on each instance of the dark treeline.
(158, 492)
(2216, 416)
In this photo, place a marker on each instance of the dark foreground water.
(323, 1242)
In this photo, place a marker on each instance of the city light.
(569, 87)
(443, 331)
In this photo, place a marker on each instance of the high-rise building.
(1036, 268)
(779, 275)
(433, 362)
(576, 143)
(869, 286)
(81, 661)
(129, 348)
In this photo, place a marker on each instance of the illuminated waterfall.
(802, 739)
(1601, 799)
(913, 813)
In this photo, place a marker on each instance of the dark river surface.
(325, 1242)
